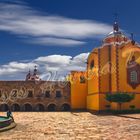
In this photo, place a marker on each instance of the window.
(82, 79)
(58, 94)
(47, 94)
(92, 64)
(30, 93)
(133, 77)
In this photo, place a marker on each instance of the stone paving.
(73, 126)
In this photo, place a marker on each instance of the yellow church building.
(113, 67)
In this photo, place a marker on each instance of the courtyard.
(73, 126)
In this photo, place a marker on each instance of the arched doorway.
(39, 107)
(15, 107)
(65, 107)
(28, 107)
(4, 107)
(51, 107)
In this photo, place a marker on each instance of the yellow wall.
(135, 102)
(93, 73)
(122, 76)
(78, 93)
(93, 102)
(93, 80)
(113, 68)
(124, 55)
(103, 102)
(104, 69)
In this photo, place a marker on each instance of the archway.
(66, 107)
(4, 107)
(15, 107)
(40, 107)
(28, 107)
(51, 107)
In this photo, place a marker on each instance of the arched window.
(40, 107)
(4, 107)
(134, 77)
(92, 64)
(65, 107)
(51, 107)
(28, 107)
(15, 107)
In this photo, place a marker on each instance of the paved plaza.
(73, 126)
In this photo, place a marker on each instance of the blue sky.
(57, 35)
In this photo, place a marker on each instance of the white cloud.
(56, 41)
(21, 19)
(16, 65)
(80, 58)
(54, 65)
(55, 59)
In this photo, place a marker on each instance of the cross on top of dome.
(116, 25)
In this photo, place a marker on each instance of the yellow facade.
(78, 90)
(109, 70)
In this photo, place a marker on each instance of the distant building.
(33, 94)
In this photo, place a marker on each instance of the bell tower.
(34, 76)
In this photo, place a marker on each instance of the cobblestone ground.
(73, 126)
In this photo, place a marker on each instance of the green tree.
(119, 98)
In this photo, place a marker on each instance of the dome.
(115, 36)
(114, 33)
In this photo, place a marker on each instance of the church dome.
(116, 36)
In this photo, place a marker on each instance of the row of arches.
(38, 107)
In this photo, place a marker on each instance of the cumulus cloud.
(51, 67)
(55, 59)
(19, 18)
(12, 68)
